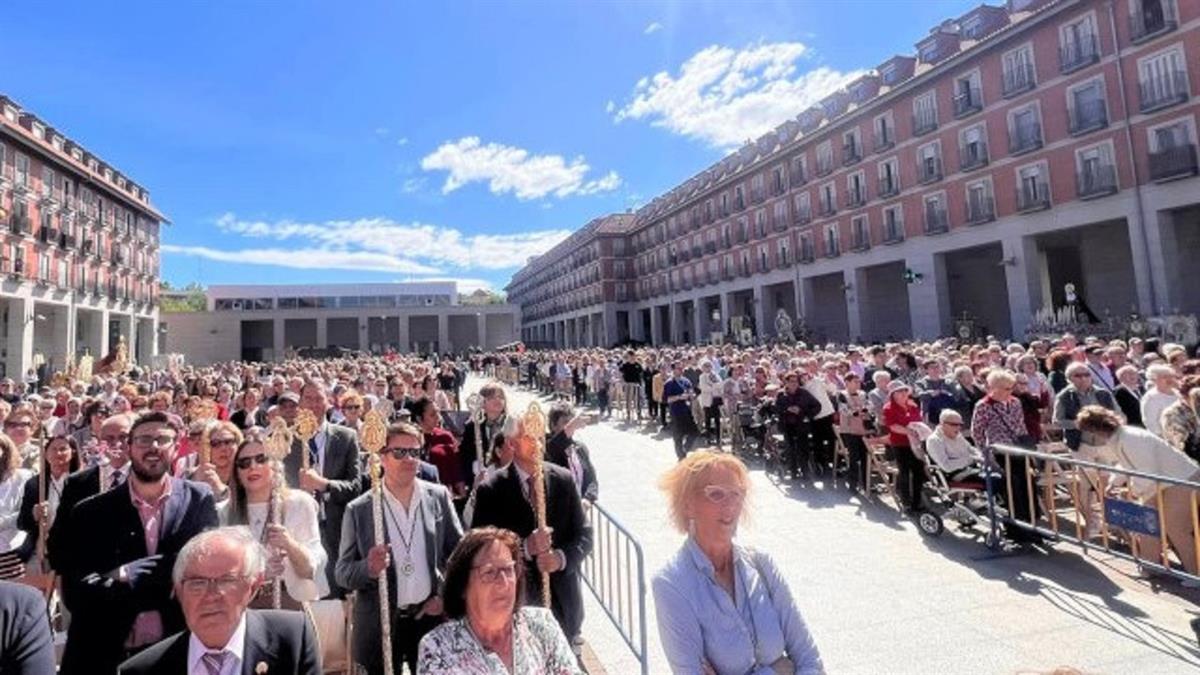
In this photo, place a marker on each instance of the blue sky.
(374, 141)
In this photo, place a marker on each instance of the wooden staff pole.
(374, 439)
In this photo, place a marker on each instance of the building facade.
(1022, 148)
(79, 264)
(263, 322)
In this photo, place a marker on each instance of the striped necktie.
(214, 662)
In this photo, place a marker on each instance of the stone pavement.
(881, 598)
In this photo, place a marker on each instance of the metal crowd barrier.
(615, 571)
(1059, 482)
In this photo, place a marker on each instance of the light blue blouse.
(699, 623)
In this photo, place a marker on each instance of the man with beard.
(124, 544)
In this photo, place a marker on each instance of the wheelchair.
(943, 498)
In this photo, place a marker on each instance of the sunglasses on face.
(221, 442)
(720, 494)
(18, 423)
(244, 463)
(402, 453)
(1081, 376)
(352, 407)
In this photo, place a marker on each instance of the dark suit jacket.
(106, 533)
(342, 468)
(78, 487)
(442, 531)
(283, 640)
(499, 501)
(556, 451)
(1130, 404)
(466, 450)
(26, 647)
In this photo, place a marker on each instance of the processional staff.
(533, 423)
(374, 439)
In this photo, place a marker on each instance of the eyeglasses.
(490, 574)
(1079, 376)
(221, 442)
(204, 585)
(18, 423)
(952, 424)
(244, 463)
(116, 439)
(352, 407)
(402, 453)
(720, 494)
(161, 441)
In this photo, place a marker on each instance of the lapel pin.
(260, 668)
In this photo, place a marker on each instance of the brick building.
(78, 250)
(1021, 148)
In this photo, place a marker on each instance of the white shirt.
(321, 439)
(233, 660)
(54, 494)
(12, 489)
(951, 454)
(1154, 403)
(404, 523)
(820, 391)
(300, 519)
(106, 475)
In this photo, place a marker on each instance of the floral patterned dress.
(539, 648)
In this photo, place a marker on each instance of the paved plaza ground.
(881, 598)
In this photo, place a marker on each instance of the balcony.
(930, 171)
(828, 208)
(888, 187)
(861, 242)
(824, 166)
(727, 274)
(21, 184)
(972, 156)
(856, 198)
(884, 140)
(1033, 197)
(66, 241)
(684, 256)
(1018, 80)
(807, 257)
(48, 235)
(20, 225)
(1089, 116)
(924, 123)
(980, 210)
(936, 221)
(710, 247)
(1155, 18)
(779, 223)
(739, 202)
(1096, 181)
(803, 216)
(1171, 163)
(851, 154)
(796, 177)
(697, 251)
(1163, 92)
(1025, 138)
(1079, 54)
(832, 249)
(968, 102)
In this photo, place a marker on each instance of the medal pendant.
(407, 568)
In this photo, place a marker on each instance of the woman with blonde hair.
(724, 608)
(12, 488)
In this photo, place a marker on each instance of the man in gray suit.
(333, 476)
(421, 529)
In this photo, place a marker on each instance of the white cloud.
(403, 140)
(376, 244)
(412, 185)
(654, 27)
(724, 96)
(510, 169)
(610, 107)
(465, 284)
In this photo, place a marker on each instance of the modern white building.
(262, 322)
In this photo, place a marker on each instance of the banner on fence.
(1131, 516)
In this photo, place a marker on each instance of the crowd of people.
(162, 530)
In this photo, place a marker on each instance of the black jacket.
(78, 487)
(802, 399)
(106, 532)
(557, 448)
(285, 641)
(26, 647)
(466, 449)
(499, 501)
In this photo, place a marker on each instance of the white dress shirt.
(321, 439)
(235, 649)
(106, 475)
(300, 519)
(404, 523)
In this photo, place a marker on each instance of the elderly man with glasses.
(215, 576)
(1079, 393)
(122, 546)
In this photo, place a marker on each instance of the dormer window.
(39, 131)
(972, 28)
(929, 53)
(889, 74)
(10, 113)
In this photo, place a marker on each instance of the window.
(807, 250)
(893, 224)
(889, 178)
(851, 147)
(890, 74)
(764, 258)
(778, 186)
(832, 241)
(981, 207)
(1149, 18)
(22, 171)
(43, 267)
(760, 223)
(968, 98)
(828, 199)
(757, 188)
(739, 198)
(936, 221)
(1095, 173)
(785, 257)
(1086, 107)
(1025, 130)
(780, 215)
(1033, 192)
(1172, 150)
(799, 172)
(930, 52)
(1162, 79)
(825, 158)
(860, 233)
(973, 147)
(1018, 70)
(856, 189)
(929, 162)
(885, 136)
(803, 208)
(1077, 43)
(924, 114)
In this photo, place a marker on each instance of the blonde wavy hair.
(687, 478)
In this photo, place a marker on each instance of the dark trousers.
(799, 451)
(856, 447)
(683, 433)
(580, 393)
(651, 405)
(824, 440)
(712, 418)
(662, 413)
(602, 402)
(911, 478)
(407, 632)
